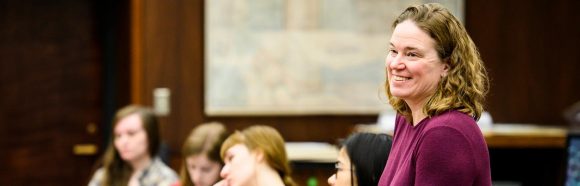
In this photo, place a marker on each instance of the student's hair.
(117, 171)
(205, 139)
(368, 154)
(465, 86)
(267, 140)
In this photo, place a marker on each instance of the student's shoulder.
(97, 177)
(163, 169)
(160, 174)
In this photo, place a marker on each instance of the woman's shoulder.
(455, 122)
(164, 168)
(97, 177)
(452, 118)
(160, 174)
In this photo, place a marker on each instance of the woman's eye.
(411, 54)
(393, 53)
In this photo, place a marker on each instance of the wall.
(530, 50)
(169, 53)
(50, 91)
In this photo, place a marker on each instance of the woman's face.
(414, 68)
(131, 139)
(202, 171)
(240, 166)
(344, 173)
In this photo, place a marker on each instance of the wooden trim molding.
(136, 49)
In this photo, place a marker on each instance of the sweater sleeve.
(444, 157)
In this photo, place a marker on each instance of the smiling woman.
(413, 65)
(436, 81)
(131, 157)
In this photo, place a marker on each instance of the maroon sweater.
(447, 149)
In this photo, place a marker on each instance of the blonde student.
(255, 156)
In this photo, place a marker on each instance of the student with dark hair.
(132, 154)
(361, 160)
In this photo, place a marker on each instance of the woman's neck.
(268, 176)
(138, 166)
(141, 164)
(417, 110)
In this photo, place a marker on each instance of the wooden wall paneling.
(530, 49)
(168, 50)
(136, 49)
(50, 91)
(302, 128)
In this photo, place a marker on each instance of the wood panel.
(167, 52)
(530, 49)
(50, 91)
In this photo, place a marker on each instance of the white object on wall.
(161, 97)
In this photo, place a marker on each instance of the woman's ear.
(259, 154)
(446, 67)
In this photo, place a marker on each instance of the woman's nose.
(332, 179)
(395, 62)
(197, 177)
(225, 171)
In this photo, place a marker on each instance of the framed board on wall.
(299, 57)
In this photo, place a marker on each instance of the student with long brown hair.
(131, 156)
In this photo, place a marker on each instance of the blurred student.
(256, 156)
(201, 152)
(131, 156)
(361, 160)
